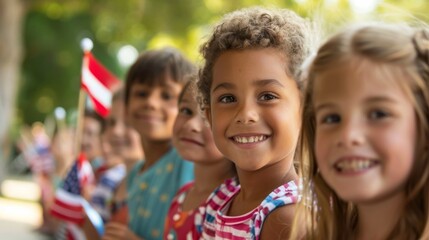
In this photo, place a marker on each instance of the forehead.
(358, 76)
(252, 64)
(168, 83)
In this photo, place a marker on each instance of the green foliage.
(54, 28)
(52, 63)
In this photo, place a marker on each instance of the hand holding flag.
(67, 204)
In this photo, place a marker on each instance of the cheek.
(209, 142)
(321, 148)
(218, 122)
(288, 124)
(178, 125)
(400, 146)
(172, 114)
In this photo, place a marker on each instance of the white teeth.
(358, 164)
(252, 139)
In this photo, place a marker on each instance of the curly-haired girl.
(251, 96)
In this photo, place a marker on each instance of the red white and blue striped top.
(217, 225)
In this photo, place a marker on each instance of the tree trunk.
(11, 18)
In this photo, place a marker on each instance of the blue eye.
(227, 99)
(331, 118)
(267, 97)
(378, 114)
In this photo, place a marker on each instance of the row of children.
(336, 148)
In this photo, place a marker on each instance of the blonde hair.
(403, 49)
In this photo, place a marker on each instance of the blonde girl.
(365, 119)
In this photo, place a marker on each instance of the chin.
(356, 197)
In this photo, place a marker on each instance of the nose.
(351, 133)
(247, 113)
(152, 100)
(194, 124)
(118, 129)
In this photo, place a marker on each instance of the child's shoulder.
(280, 207)
(278, 223)
(228, 186)
(222, 193)
(282, 195)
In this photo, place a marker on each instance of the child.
(250, 90)
(152, 87)
(121, 150)
(366, 120)
(117, 147)
(194, 141)
(130, 155)
(93, 125)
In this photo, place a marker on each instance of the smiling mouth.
(187, 140)
(249, 139)
(355, 164)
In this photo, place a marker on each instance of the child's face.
(120, 142)
(254, 108)
(366, 132)
(191, 134)
(153, 109)
(91, 138)
(114, 140)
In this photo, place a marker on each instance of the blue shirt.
(150, 193)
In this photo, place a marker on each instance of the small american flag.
(67, 204)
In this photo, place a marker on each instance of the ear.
(208, 115)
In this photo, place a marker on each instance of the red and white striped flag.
(99, 83)
(67, 204)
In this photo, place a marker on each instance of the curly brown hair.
(256, 28)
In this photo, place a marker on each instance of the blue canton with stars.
(71, 183)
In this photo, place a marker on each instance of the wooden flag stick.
(79, 124)
(86, 45)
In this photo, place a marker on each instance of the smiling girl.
(252, 99)
(366, 120)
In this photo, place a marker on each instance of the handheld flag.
(98, 82)
(67, 204)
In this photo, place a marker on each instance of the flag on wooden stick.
(98, 82)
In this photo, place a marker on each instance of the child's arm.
(278, 224)
(118, 231)
(89, 230)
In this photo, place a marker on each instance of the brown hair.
(404, 50)
(153, 66)
(256, 28)
(94, 115)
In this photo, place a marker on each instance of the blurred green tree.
(45, 66)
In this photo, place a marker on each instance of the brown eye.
(331, 119)
(378, 114)
(227, 99)
(267, 97)
(185, 111)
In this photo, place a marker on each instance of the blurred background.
(41, 57)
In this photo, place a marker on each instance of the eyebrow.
(224, 85)
(323, 106)
(265, 82)
(374, 99)
(259, 83)
(380, 99)
(184, 100)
